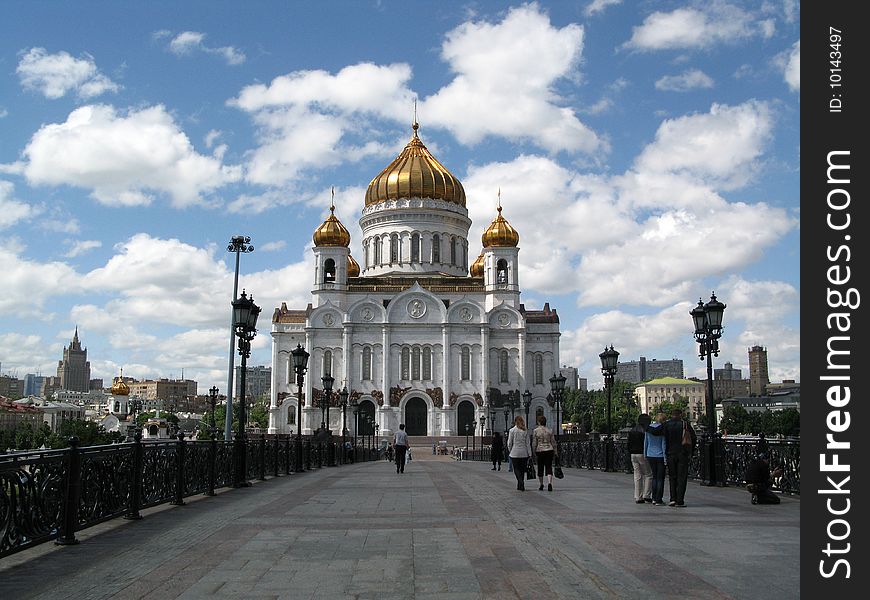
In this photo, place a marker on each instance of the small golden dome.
(332, 232)
(477, 267)
(415, 173)
(500, 233)
(352, 267)
(120, 387)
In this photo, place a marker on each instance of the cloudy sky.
(647, 152)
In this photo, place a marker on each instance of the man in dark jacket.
(759, 480)
(678, 455)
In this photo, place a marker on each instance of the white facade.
(415, 339)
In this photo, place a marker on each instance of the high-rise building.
(637, 371)
(74, 371)
(758, 375)
(728, 372)
(11, 387)
(258, 381)
(572, 377)
(34, 385)
(166, 394)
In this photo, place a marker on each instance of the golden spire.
(500, 233)
(415, 173)
(119, 387)
(332, 232)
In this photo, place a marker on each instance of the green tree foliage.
(27, 437)
(737, 420)
(142, 417)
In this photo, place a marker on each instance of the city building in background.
(74, 370)
(12, 414)
(258, 381)
(758, 374)
(11, 387)
(162, 394)
(728, 383)
(638, 371)
(652, 393)
(34, 385)
(572, 377)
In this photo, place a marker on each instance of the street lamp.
(708, 329)
(506, 411)
(355, 407)
(299, 360)
(609, 359)
(527, 404)
(328, 381)
(343, 394)
(467, 429)
(557, 388)
(628, 395)
(245, 314)
(212, 396)
(240, 244)
(482, 430)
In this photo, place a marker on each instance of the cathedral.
(414, 334)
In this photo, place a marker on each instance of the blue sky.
(647, 153)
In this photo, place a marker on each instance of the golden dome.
(477, 267)
(415, 173)
(120, 387)
(500, 233)
(352, 267)
(332, 232)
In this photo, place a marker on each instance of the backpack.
(687, 436)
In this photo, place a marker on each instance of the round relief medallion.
(416, 308)
(504, 319)
(328, 320)
(465, 314)
(367, 314)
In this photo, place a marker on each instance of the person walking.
(654, 450)
(400, 444)
(519, 450)
(544, 448)
(497, 450)
(680, 442)
(642, 470)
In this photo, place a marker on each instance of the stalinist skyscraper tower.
(74, 371)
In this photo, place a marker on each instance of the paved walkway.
(443, 530)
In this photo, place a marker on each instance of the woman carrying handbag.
(519, 449)
(544, 447)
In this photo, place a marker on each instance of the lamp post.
(328, 382)
(467, 428)
(343, 394)
(245, 314)
(708, 329)
(609, 359)
(212, 397)
(506, 411)
(240, 244)
(557, 388)
(377, 438)
(482, 430)
(355, 407)
(527, 404)
(299, 359)
(628, 395)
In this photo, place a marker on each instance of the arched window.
(415, 364)
(465, 255)
(394, 248)
(406, 364)
(367, 364)
(503, 367)
(366, 255)
(415, 247)
(329, 271)
(501, 270)
(436, 249)
(465, 366)
(378, 250)
(539, 369)
(327, 363)
(427, 364)
(453, 251)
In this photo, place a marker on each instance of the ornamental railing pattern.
(51, 494)
(738, 453)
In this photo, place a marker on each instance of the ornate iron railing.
(590, 454)
(52, 494)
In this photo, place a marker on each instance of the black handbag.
(530, 470)
(557, 469)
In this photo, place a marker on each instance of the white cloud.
(11, 210)
(28, 285)
(55, 75)
(790, 63)
(188, 42)
(31, 355)
(688, 80)
(3, 112)
(682, 28)
(598, 6)
(124, 158)
(272, 246)
(80, 247)
(504, 84)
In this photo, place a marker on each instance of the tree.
(789, 422)
(735, 419)
(142, 417)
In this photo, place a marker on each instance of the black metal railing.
(590, 454)
(52, 494)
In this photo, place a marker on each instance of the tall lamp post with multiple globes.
(609, 359)
(212, 397)
(245, 314)
(343, 394)
(328, 381)
(240, 244)
(708, 329)
(557, 388)
(527, 404)
(299, 361)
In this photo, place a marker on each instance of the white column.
(445, 384)
(522, 366)
(273, 394)
(308, 405)
(346, 345)
(382, 418)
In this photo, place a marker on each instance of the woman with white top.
(544, 445)
(519, 449)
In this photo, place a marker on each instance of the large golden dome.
(477, 267)
(415, 173)
(120, 387)
(500, 233)
(332, 232)
(352, 267)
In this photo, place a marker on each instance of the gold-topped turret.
(477, 267)
(415, 173)
(332, 232)
(500, 233)
(352, 267)
(119, 386)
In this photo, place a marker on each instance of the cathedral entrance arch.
(464, 418)
(416, 413)
(366, 424)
